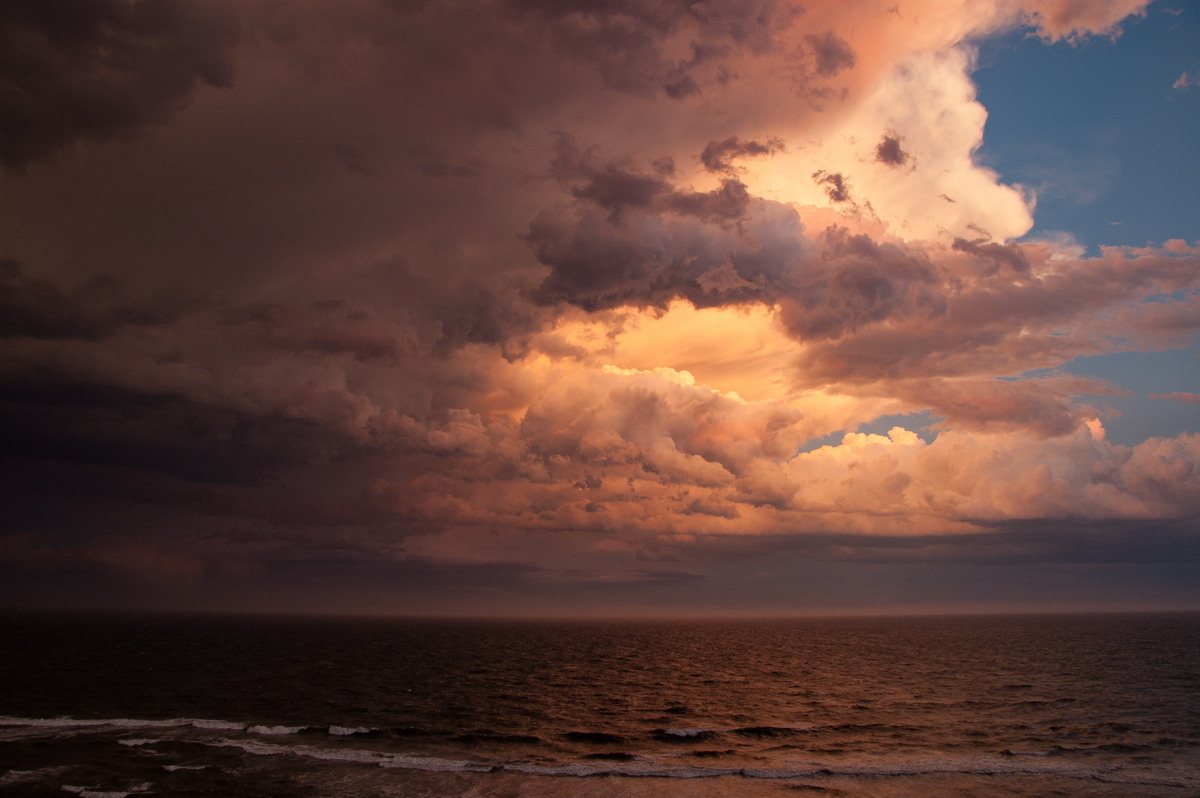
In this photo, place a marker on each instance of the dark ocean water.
(1025, 706)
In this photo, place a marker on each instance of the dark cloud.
(1017, 543)
(616, 186)
(1002, 304)
(669, 578)
(101, 68)
(832, 53)
(836, 185)
(888, 151)
(166, 433)
(857, 283)
(679, 88)
(623, 41)
(718, 156)
(682, 84)
(995, 255)
(612, 186)
(656, 242)
(39, 308)
(501, 317)
(628, 43)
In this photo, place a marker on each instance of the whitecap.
(134, 723)
(85, 792)
(52, 723)
(346, 731)
(688, 733)
(358, 755)
(276, 730)
(217, 725)
(20, 776)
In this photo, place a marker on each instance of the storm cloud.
(493, 305)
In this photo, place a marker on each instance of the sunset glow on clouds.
(564, 307)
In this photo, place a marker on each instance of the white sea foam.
(52, 723)
(346, 731)
(133, 723)
(85, 792)
(435, 764)
(660, 769)
(663, 764)
(687, 732)
(21, 776)
(218, 725)
(667, 767)
(17, 776)
(63, 722)
(358, 755)
(646, 769)
(276, 730)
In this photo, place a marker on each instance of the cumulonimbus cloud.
(401, 302)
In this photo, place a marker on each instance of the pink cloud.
(1178, 396)
(1074, 19)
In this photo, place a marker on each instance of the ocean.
(130, 705)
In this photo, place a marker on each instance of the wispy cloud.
(1186, 81)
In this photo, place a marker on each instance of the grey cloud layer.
(102, 68)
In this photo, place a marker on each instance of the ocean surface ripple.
(131, 705)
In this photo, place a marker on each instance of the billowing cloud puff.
(648, 454)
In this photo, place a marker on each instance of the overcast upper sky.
(562, 307)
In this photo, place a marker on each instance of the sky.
(600, 307)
